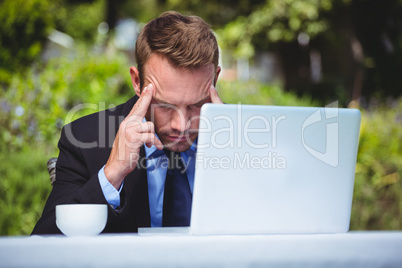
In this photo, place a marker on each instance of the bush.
(80, 19)
(26, 24)
(254, 92)
(37, 104)
(24, 27)
(24, 187)
(377, 203)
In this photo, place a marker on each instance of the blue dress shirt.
(157, 162)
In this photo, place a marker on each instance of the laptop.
(272, 170)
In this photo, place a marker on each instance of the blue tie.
(177, 196)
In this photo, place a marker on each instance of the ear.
(135, 80)
(218, 71)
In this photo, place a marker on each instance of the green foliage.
(24, 27)
(80, 20)
(276, 20)
(353, 38)
(378, 186)
(26, 24)
(40, 101)
(24, 187)
(253, 92)
(218, 13)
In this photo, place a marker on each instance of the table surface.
(363, 249)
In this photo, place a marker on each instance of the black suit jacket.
(85, 145)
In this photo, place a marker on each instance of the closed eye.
(200, 103)
(162, 104)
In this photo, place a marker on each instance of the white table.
(353, 249)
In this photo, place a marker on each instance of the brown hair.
(185, 41)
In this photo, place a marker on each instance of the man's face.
(178, 96)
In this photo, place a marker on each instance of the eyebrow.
(194, 104)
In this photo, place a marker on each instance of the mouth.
(180, 138)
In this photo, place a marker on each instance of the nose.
(178, 120)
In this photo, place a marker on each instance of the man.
(177, 59)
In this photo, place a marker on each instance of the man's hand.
(214, 95)
(132, 134)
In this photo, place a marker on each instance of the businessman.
(146, 173)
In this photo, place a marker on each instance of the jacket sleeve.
(74, 184)
(85, 146)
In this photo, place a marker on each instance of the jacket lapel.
(129, 105)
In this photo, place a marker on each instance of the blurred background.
(62, 59)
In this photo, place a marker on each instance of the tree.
(360, 43)
(217, 13)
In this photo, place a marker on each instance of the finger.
(144, 127)
(214, 95)
(141, 106)
(158, 146)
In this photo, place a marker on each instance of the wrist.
(113, 176)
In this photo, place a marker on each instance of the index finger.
(141, 106)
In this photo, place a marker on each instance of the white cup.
(81, 219)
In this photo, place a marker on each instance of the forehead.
(178, 86)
